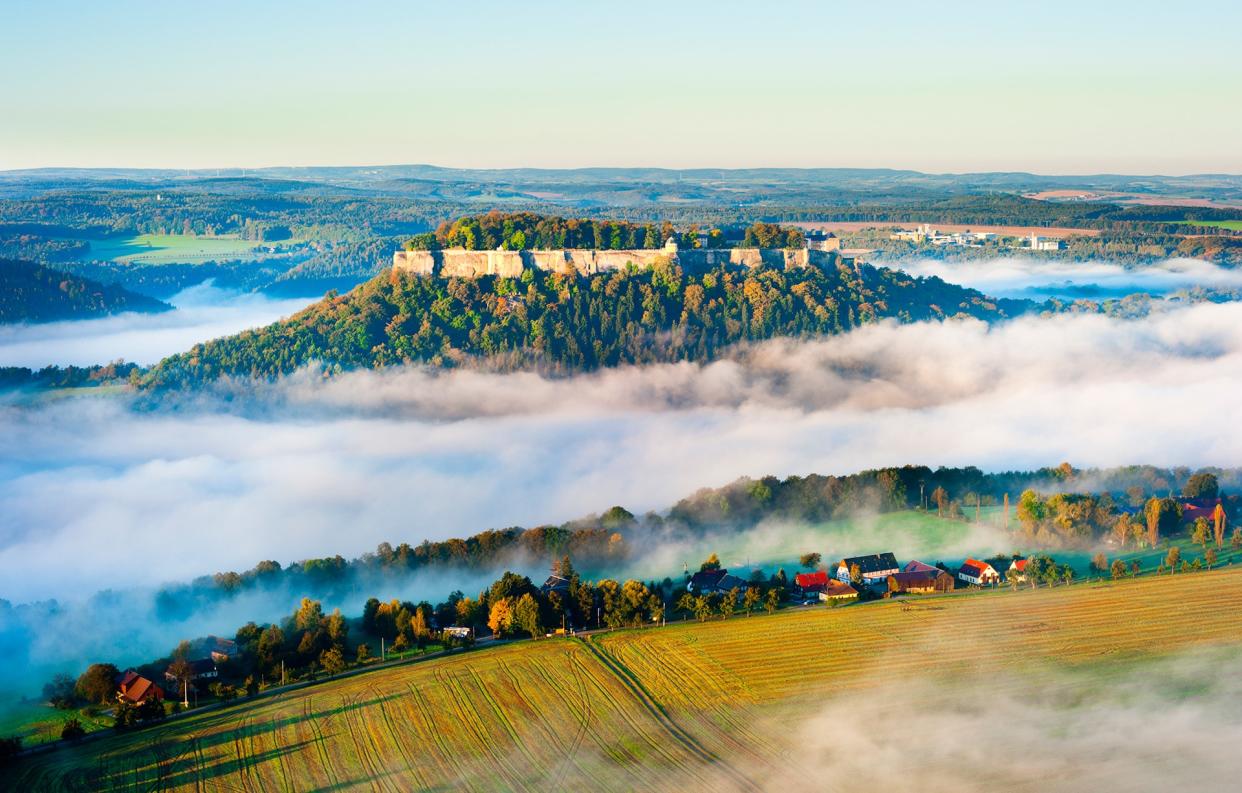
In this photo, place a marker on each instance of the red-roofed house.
(980, 573)
(812, 582)
(918, 567)
(133, 687)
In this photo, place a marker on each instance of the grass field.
(1232, 225)
(171, 249)
(686, 706)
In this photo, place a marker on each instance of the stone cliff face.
(473, 264)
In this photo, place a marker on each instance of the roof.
(136, 688)
(707, 578)
(1019, 565)
(917, 566)
(555, 582)
(872, 563)
(809, 580)
(974, 568)
(835, 588)
(917, 577)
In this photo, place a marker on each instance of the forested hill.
(564, 323)
(30, 292)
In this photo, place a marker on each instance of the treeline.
(31, 292)
(68, 376)
(568, 323)
(531, 231)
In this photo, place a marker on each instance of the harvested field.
(692, 705)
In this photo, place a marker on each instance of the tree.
(1099, 563)
(332, 661)
(181, 672)
(940, 497)
(526, 615)
(338, 629)
(1067, 574)
(1210, 557)
(750, 599)
(711, 563)
(363, 653)
(1163, 515)
(810, 560)
(59, 691)
(1235, 539)
(685, 604)
(1174, 556)
(1118, 569)
(1122, 529)
(702, 607)
(500, 618)
(309, 615)
(773, 601)
(728, 602)
(1201, 532)
(98, 683)
(1202, 485)
(856, 576)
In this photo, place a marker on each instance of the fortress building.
(461, 263)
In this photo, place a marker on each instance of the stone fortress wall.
(462, 263)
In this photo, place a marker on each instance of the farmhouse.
(136, 689)
(916, 566)
(213, 647)
(1211, 509)
(874, 567)
(837, 592)
(812, 583)
(980, 573)
(706, 582)
(920, 582)
(200, 669)
(555, 583)
(1016, 571)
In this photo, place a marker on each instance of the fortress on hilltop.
(461, 263)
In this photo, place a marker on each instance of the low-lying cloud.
(202, 312)
(1041, 278)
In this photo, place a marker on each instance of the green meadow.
(1232, 225)
(172, 249)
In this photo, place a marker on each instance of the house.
(837, 592)
(817, 240)
(213, 647)
(812, 582)
(980, 573)
(136, 689)
(458, 632)
(1207, 508)
(874, 567)
(555, 583)
(918, 567)
(200, 669)
(706, 582)
(920, 582)
(1016, 571)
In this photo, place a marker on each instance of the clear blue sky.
(1067, 87)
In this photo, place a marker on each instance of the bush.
(72, 730)
(9, 747)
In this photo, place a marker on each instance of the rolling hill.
(561, 323)
(30, 292)
(732, 705)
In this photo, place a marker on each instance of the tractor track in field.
(666, 721)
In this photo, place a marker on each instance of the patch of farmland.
(686, 706)
(171, 248)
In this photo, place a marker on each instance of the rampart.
(460, 263)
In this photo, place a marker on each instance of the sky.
(1058, 87)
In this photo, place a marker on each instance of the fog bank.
(1038, 279)
(202, 312)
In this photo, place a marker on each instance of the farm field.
(1004, 231)
(171, 248)
(686, 706)
(1232, 225)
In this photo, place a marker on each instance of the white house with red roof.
(979, 573)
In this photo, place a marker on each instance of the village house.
(920, 582)
(1210, 509)
(811, 583)
(916, 566)
(873, 568)
(200, 669)
(213, 647)
(136, 689)
(706, 582)
(1016, 571)
(837, 592)
(979, 573)
(555, 583)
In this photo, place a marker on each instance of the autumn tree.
(1163, 515)
(332, 660)
(728, 602)
(750, 599)
(941, 499)
(1174, 556)
(711, 563)
(1118, 569)
(810, 560)
(1201, 532)
(98, 683)
(773, 601)
(500, 618)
